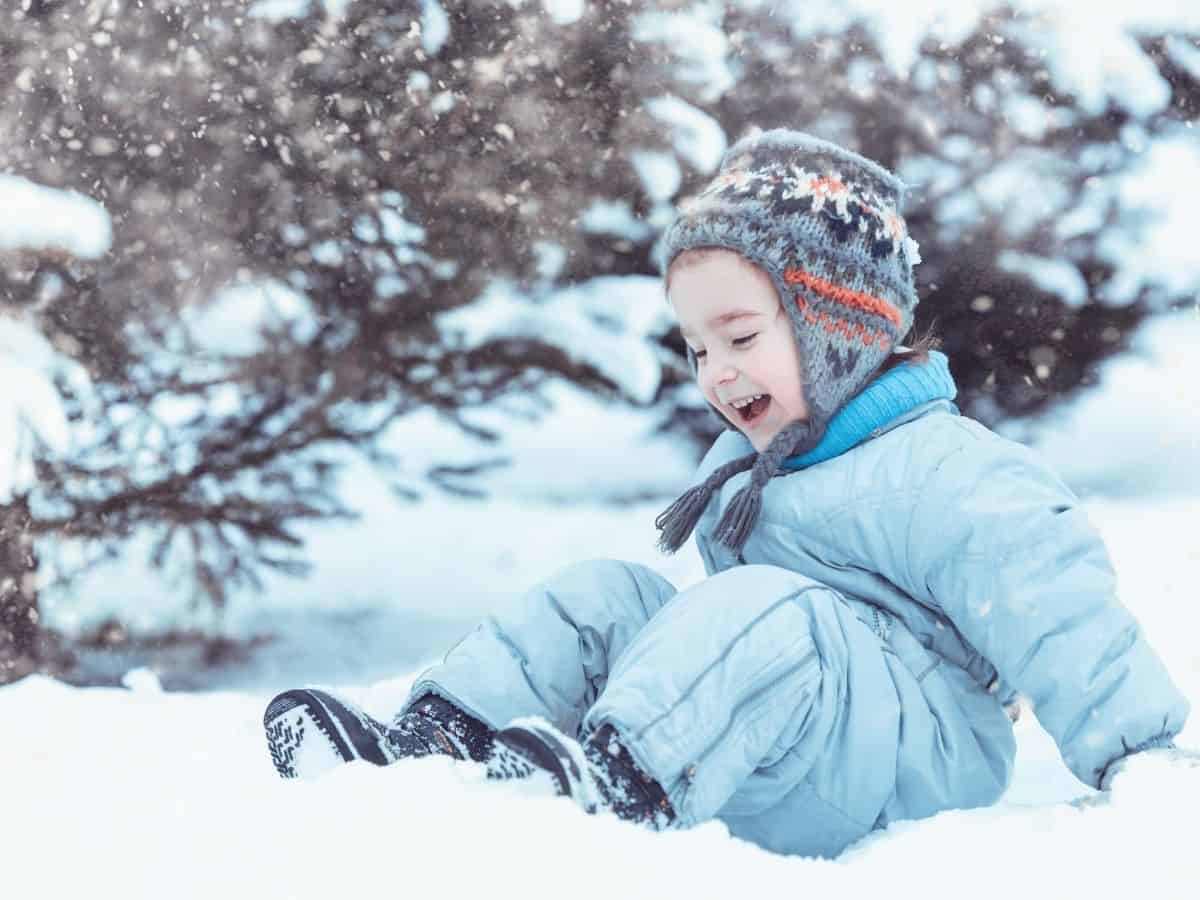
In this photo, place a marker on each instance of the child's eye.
(736, 342)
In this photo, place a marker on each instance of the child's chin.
(760, 439)
(759, 443)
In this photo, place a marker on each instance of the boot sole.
(546, 749)
(346, 733)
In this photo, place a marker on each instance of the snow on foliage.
(239, 319)
(280, 10)
(659, 172)
(435, 26)
(614, 217)
(39, 219)
(703, 50)
(1164, 191)
(30, 405)
(1088, 44)
(1185, 55)
(1019, 192)
(698, 137)
(42, 218)
(1161, 193)
(1097, 60)
(563, 447)
(606, 322)
(1055, 276)
(563, 12)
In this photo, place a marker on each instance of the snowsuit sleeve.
(999, 543)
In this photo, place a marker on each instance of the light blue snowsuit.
(851, 668)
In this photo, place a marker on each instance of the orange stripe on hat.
(843, 295)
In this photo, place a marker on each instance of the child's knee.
(622, 589)
(781, 592)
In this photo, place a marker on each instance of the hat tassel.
(739, 517)
(678, 520)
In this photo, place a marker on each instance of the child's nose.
(723, 373)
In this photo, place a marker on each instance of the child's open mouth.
(753, 408)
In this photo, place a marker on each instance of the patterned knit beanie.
(825, 225)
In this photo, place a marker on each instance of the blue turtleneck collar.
(891, 395)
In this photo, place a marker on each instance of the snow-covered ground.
(139, 793)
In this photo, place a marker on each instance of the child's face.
(730, 316)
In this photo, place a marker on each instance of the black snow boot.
(598, 775)
(624, 788)
(311, 731)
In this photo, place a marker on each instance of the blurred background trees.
(313, 205)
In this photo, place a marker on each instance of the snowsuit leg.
(759, 697)
(548, 651)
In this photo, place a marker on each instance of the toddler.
(885, 574)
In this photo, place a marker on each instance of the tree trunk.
(20, 631)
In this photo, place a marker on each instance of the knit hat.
(825, 225)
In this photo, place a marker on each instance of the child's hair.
(917, 352)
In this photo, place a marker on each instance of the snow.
(435, 27)
(563, 12)
(1156, 200)
(659, 173)
(551, 258)
(281, 10)
(442, 102)
(697, 137)
(1095, 58)
(365, 591)
(897, 29)
(30, 405)
(237, 320)
(1021, 192)
(1090, 45)
(1031, 118)
(608, 322)
(1184, 54)
(1164, 189)
(42, 218)
(616, 218)
(1055, 276)
(1143, 415)
(700, 45)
